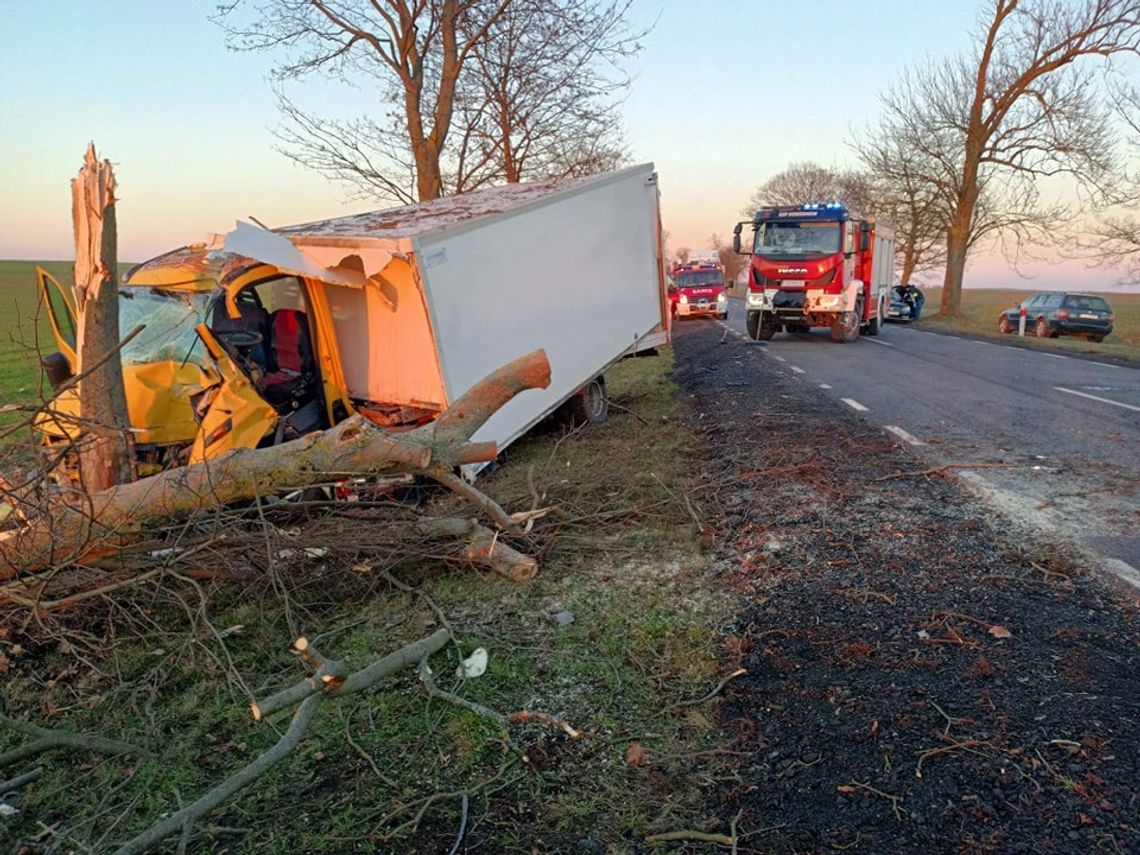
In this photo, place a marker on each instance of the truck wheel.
(590, 404)
(845, 328)
(875, 325)
(759, 327)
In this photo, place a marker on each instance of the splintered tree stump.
(107, 520)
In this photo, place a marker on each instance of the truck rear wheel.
(591, 403)
(875, 325)
(845, 328)
(761, 327)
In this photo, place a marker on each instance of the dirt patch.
(917, 681)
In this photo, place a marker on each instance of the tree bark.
(64, 533)
(105, 449)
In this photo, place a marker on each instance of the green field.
(24, 328)
(981, 308)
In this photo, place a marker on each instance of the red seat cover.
(290, 340)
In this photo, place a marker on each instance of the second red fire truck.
(698, 288)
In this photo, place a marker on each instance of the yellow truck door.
(236, 415)
(60, 307)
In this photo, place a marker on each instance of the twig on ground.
(941, 470)
(462, 826)
(46, 739)
(13, 784)
(716, 690)
(894, 800)
(667, 836)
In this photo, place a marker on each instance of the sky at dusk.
(725, 94)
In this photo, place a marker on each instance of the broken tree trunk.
(104, 447)
(109, 519)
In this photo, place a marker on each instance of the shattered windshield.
(170, 318)
(796, 238)
(699, 277)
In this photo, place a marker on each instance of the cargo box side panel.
(386, 347)
(577, 277)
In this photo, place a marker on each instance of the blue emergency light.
(811, 210)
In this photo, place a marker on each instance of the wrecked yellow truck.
(261, 336)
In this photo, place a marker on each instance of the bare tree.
(1020, 106)
(465, 92)
(906, 197)
(1113, 240)
(682, 255)
(548, 73)
(807, 182)
(414, 50)
(730, 261)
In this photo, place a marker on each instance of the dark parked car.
(1055, 313)
(906, 303)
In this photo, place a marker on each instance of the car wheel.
(1005, 326)
(1042, 328)
(1098, 338)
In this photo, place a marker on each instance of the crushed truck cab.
(817, 265)
(258, 337)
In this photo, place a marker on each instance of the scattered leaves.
(636, 755)
(999, 631)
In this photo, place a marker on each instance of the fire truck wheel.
(875, 325)
(846, 327)
(760, 329)
(590, 404)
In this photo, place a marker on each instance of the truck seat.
(291, 378)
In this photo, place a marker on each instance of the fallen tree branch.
(349, 684)
(13, 784)
(185, 818)
(105, 521)
(484, 547)
(47, 739)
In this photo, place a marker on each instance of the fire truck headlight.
(755, 300)
(830, 301)
(722, 297)
(684, 299)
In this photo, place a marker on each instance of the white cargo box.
(427, 299)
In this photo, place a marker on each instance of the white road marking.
(1106, 365)
(853, 404)
(1097, 398)
(1055, 355)
(781, 359)
(883, 343)
(824, 386)
(796, 369)
(904, 435)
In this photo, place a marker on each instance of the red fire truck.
(817, 265)
(698, 288)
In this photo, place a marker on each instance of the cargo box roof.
(438, 215)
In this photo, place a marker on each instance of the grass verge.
(175, 666)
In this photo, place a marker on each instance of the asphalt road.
(1054, 440)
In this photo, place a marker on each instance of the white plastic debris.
(474, 665)
(307, 552)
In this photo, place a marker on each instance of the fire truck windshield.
(784, 238)
(698, 277)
